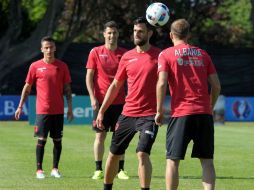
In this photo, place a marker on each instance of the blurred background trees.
(23, 23)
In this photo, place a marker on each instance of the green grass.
(234, 160)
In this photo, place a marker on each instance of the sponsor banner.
(81, 107)
(8, 106)
(239, 109)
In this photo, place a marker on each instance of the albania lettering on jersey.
(192, 57)
(187, 52)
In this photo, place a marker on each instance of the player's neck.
(111, 47)
(178, 42)
(48, 60)
(144, 48)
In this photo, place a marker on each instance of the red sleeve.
(91, 61)
(121, 71)
(162, 62)
(31, 75)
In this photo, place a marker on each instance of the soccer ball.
(157, 14)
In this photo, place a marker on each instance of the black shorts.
(127, 127)
(110, 118)
(181, 130)
(49, 123)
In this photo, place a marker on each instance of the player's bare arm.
(215, 88)
(67, 91)
(108, 99)
(25, 93)
(90, 87)
(161, 88)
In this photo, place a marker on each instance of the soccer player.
(101, 67)
(52, 79)
(139, 67)
(188, 70)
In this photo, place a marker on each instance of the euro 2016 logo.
(241, 109)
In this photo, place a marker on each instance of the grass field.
(234, 160)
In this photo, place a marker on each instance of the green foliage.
(237, 20)
(214, 22)
(229, 25)
(218, 22)
(35, 9)
(32, 13)
(233, 160)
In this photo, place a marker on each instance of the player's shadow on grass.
(217, 177)
(181, 177)
(199, 177)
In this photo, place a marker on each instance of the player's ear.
(171, 35)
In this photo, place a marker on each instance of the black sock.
(146, 188)
(121, 165)
(98, 165)
(40, 153)
(108, 186)
(56, 152)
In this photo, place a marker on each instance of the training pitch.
(234, 160)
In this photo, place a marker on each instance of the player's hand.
(99, 120)
(18, 113)
(94, 104)
(70, 115)
(159, 119)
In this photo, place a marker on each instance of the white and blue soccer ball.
(157, 14)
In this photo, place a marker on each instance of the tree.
(217, 22)
(14, 53)
(65, 19)
(24, 22)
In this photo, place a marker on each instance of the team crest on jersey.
(180, 61)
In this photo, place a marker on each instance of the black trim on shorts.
(181, 130)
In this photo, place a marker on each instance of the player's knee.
(57, 143)
(100, 138)
(143, 156)
(207, 163)
(41, 143)
(112, 156)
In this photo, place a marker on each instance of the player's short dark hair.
(180, 28)
(110, 24)
(142, 20)
(47, 39)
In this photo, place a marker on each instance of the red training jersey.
(188, 69)
(105, 63)
(140, 70)
(49, 80)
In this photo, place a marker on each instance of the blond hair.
(180, 28)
